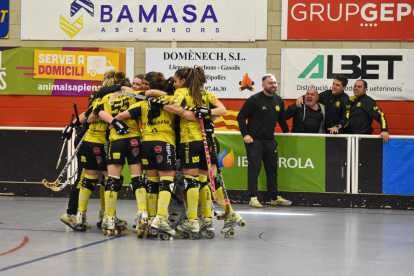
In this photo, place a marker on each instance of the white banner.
(387, 72)
(231, 73)
(157, 20)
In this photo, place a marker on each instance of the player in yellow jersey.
(192, 152)
(124, 142)
(92, 155)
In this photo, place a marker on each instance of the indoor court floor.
(291, 240)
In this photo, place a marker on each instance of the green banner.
(301, 163)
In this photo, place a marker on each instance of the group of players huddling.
(169, 131)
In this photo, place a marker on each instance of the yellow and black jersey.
(161, 128)
(97, 128)
(121, 104)
(191, 130)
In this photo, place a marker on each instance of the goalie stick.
(64, 171)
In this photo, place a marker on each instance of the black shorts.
(129, 148)
(93, 156)
(193, 156)
(158, 155)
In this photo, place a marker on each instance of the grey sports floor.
(276, 241)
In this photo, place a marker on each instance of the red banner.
(347, 20)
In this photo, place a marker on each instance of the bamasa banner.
(158, 20)
(387, 72)
(347, 20)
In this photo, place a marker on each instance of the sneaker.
(255, 203)
(189, 225)
(232, 220)
(207, 224)
(69, 220)
(162, 224)
(280, 201)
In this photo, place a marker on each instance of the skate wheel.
(99, 225)
(108, 233)
(210, 234)
(146, 233)
(181, 235)
(153, 231)
(139, 232)
(242, 223)
(124, 229)
(164, 236)
(142, 222)
(83, 228)
(103, 232)
(232, 233)
(117, 233)
(194, 236)
(149, 223)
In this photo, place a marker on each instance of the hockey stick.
(76, 112)
(212, 185)
(64, 143)
(64, 171)
(57, 189)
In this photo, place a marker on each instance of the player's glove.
(202, 112)
(120, 127)
(67, 132)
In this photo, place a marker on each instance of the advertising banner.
(4, 19)
(158, 20)
(232, 73)
(55, 71)
(347, 20)
(301, 163)
(387, 72)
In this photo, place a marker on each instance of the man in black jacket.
(263, 110)
(335, 101)
(363, 110)
(309, 118)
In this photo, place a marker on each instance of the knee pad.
(191, 183)
(166, 185)
(152, 187)
(113, 184)
(136, 184)
(203, 184)
(89, 183)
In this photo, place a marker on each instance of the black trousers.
(257, 152)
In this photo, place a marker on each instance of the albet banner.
(387, 71)
(347, 20)
(65, 71)
(158, 20)
(232, 73)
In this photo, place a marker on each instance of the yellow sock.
(220, 195)
(192, 202)
(164, 196)
(205, 197)
(102, 194)
(110, 201)
(85, 193)
(141, 196)
(152, 195)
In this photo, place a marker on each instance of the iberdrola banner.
(55, 71)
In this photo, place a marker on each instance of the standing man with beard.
(335, 101)
(263, 110)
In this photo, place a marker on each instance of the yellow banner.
(73, 65)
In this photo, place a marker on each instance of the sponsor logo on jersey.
(196, 159)
(135, 151)
(96, 150)
(277, 108)
(145, 161)
(359, 104)
(159, 158)
(116, 155)
(83, 159)
(134, 142)
(337, 104)
(98, 159)
(264, 107)
(158, 149)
